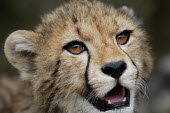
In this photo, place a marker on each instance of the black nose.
(114, 69)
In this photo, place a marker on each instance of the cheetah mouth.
(117, 98)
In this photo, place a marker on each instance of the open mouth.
(117, 98)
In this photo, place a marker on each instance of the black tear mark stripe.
(133, 63)
(131, 60)
(126, 32)
(89, 89)
(56, 69)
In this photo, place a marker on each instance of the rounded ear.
(127, 10)
(130, 12)
(20, 51)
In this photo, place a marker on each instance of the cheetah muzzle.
(117, 98)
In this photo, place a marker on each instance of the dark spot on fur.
(46, 81)
(51, 86)
(56, 69)
(50, 98)
(43, 84)
(74, 19)
(97, 26)
(56, 89)
(57, 110)
(78, 31)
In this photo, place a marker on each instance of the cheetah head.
(85, 57)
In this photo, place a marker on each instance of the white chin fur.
(81, 105)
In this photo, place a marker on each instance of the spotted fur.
(56, 81)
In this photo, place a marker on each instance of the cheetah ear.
(130, 12)
(20, 51)
(127, 10)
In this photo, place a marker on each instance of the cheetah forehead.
(85, 14)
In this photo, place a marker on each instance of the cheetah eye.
(123, 37)
(75, 47)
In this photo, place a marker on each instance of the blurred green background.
(155, 14)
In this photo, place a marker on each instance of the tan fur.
(38, 54)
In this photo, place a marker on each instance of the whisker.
(143, 87)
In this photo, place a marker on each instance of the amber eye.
(75, 47)
(123, 37)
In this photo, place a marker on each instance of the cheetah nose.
(114, 69)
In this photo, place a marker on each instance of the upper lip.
(118, 97)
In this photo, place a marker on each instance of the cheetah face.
(83, 59)
(110, 74)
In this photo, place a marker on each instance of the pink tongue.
(118, 97)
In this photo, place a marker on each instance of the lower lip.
(103, 105)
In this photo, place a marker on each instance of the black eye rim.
(75, 43)
(125, 32)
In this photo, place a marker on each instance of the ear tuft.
(20, 51)
(127, 10)
(130, 12)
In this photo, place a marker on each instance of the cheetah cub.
(84, 57)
